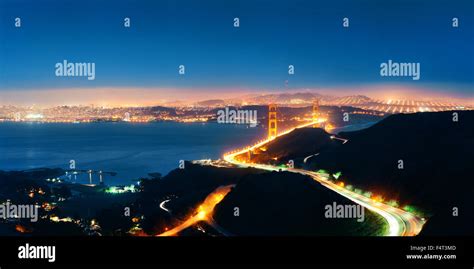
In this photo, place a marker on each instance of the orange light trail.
(203, 212)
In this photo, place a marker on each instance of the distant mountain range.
(289, 99)
(359, 101)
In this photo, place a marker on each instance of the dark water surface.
(131, 150)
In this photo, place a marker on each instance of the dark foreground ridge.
(437, 156)
(289, 204)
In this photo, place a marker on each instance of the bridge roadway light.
(201, 215)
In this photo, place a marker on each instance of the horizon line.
(154, 96)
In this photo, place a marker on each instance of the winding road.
(203, 213)
(401, 223)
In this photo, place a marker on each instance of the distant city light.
(34, 116)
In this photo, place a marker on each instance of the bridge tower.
(272, 121)
(315, 113)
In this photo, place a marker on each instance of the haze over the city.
(134, 97)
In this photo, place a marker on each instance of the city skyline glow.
(136, 97)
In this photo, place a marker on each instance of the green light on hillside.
(119, 190)
(392, 203)
(111, 190)
(414, 210)
(337, 175)
(368, 194)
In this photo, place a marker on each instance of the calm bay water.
(131, 150)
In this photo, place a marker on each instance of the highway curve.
(401, 223)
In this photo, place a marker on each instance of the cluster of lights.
(53, 180)
(22, 229)
(119, 190)
(57, 219)
(48, 206)
(32, 192)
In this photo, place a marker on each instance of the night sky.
(255, 56)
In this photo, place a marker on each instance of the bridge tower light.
(315, 114)
(272, 121)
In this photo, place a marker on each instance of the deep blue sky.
(200, 35)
